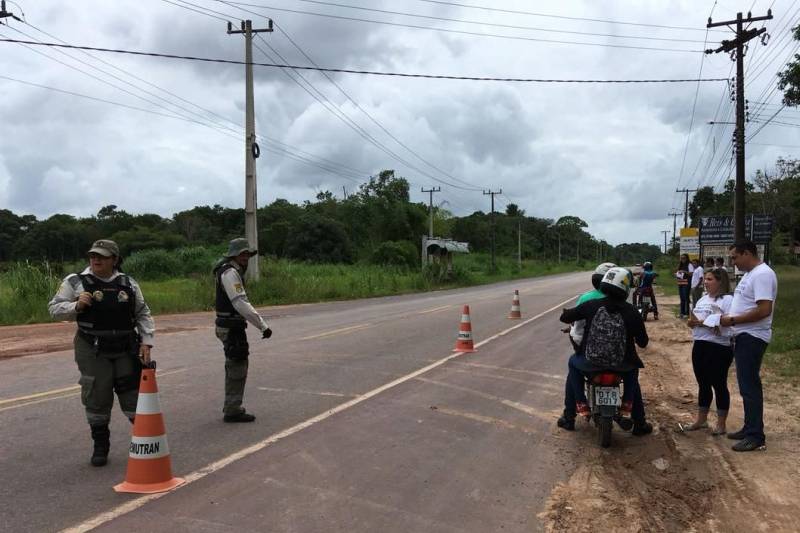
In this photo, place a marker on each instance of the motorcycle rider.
(567, 419)
(646, 286)
(615, 286)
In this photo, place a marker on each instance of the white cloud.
(611, 154)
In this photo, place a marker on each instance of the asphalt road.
(466, 445)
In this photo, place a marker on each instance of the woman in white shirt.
(712, 354)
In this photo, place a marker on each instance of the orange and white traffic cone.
(515, 310)
(464, 340)
(149, 465)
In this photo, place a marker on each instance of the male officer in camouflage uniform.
(234, 311)
(114, 337)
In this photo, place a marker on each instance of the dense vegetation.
(378, 224)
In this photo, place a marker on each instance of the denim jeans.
(575, 391)
(748, 352)
(683, 292)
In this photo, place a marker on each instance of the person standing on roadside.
(751, 317)
(682, 275)
(113, 341)
(233, 312)
(696, 284)
(712, 354)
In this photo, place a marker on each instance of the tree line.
(378, 223)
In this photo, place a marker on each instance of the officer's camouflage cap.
(237, 246)
(105, 247)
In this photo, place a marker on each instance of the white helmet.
(617, 282)
(602, 268)
(599, 272)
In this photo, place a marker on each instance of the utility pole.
(519, 243)
(736, 48)
(685, 206)
(251, 148)
(7, 14)
(493, 194)
(674, 214)
(430, 207)
(665, 232)
(559, 247)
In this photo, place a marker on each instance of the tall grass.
(181, 281)
(783, 353)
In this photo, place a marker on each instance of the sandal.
(691, 427)
(718, 432)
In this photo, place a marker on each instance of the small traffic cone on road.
(515, 310)
(149, 465)
(464, 340)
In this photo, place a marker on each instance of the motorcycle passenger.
(646, 286)
(567, 420)
(615, 286)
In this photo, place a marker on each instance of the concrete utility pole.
(493, 194)
(674, 214)
(665, 232)
(519, 243)
(251, 148)
(430, 207)
(685, 206)
(737, 50)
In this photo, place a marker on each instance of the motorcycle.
(645, 302)
(604, 394)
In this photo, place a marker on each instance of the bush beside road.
(181, 281)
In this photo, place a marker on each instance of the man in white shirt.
(750, 316)
(234, 311)
(697, 282)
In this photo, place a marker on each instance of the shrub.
(395, 253)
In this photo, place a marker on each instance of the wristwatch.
(733, 321)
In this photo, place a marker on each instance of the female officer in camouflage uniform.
(114, 337)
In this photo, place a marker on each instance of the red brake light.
(607, 379)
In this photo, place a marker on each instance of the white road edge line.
(136, 503)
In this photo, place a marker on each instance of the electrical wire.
(460, 32)
(351, 71)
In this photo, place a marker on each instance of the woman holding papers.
(712, 353)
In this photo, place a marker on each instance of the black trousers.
(711, 362)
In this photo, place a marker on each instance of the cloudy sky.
(612, 154)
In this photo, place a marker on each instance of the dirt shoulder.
(672, 481)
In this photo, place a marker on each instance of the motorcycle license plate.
(608, 396)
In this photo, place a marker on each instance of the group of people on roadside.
(115, 334)
(725, 327)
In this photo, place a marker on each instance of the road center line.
(425, 312)
(57, 394)
(136, 503)
(336, 332)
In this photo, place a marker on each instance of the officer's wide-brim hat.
(240, 245)
(105, 247)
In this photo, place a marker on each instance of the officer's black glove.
(267, 334)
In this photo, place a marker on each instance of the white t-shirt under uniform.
(761, 283)
(709, 310)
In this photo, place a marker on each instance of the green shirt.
(591, 295)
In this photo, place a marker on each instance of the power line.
(562, 17)
(351, 71)
(460, 32)
(496, 25)
(349, 98)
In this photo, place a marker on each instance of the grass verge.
(25, 288)
(783, 353)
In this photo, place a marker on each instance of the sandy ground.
(672, 481)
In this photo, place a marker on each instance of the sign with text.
(720, 229)
(690, 242)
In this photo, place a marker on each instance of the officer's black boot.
(102, 443)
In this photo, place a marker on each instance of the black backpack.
(607, 338)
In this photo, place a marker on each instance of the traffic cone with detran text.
(149, 465)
